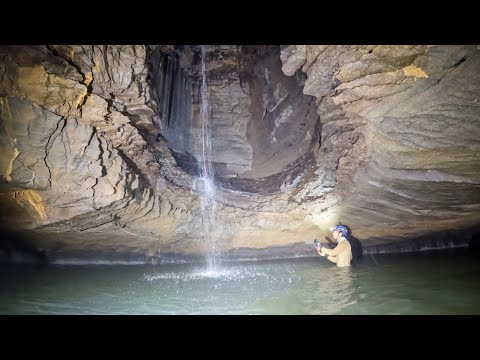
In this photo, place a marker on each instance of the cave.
(186, 154)
(107, 139)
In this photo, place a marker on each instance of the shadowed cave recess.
(100, 149)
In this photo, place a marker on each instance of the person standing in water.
(342, 253)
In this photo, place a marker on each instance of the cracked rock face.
(99, 146)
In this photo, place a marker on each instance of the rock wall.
(99, 146)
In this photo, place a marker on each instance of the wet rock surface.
(99, 145)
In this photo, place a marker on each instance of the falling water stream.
(205, 183)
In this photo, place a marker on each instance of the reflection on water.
(334, 288)
(442, 282)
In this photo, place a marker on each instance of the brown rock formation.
(99, 144)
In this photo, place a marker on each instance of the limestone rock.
(99, 147)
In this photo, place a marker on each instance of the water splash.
(236, 273)
(205, 183)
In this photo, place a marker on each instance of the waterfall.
(205, 183)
